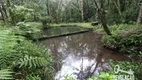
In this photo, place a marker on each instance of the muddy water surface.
(77, 55)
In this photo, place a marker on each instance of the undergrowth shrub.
(127, 65)
(102, 76)
(25, 59)
(7, 42)
(125, 39)
(26, 29)
(35, 59)
(19, 13)
(32, 49)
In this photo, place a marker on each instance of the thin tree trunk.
(10, 13)
(139, 20)
(2, 15)
(4, 10)
(82, 10)
(104, 22)
(48, 10)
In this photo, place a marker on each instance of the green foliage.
(31, 62)
(117, 11)
(126, 65)
(8, 41)
(125, 11)
(30, 77)
(5, 74)
(37, 25)
(44, 20)
(23, 57)
(37, 10)
(127, 39)
(34, 59)
(19, 13)
(67, 77)
(26, 29)
(85, 25)
(102, 76)
(32, 49)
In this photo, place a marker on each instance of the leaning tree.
(102, 15)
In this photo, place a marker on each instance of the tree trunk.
(82, 10)
(3, 11)
(102, 16)
(139, 20)
(48, 10)
(103, 19)
(10, 12)
(2, 15)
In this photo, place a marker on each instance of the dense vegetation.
(23, 59)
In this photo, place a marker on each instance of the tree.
(3, 11)
(102, 15)
(139, 20)
(82, 9)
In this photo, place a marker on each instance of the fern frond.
(5, 74)
(30, 77)
(7, 42)
(29, 61)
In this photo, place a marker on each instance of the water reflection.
(73, 65)
(78, 55)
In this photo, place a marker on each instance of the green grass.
(86, 25)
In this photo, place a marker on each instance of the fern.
(7, 42)
(5, 74)
(30, 77)
(31, 62)
(22, 56)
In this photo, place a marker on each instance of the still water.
(80, 54)
(58, 31)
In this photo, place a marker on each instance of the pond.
(59, 31)
(77, 55)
